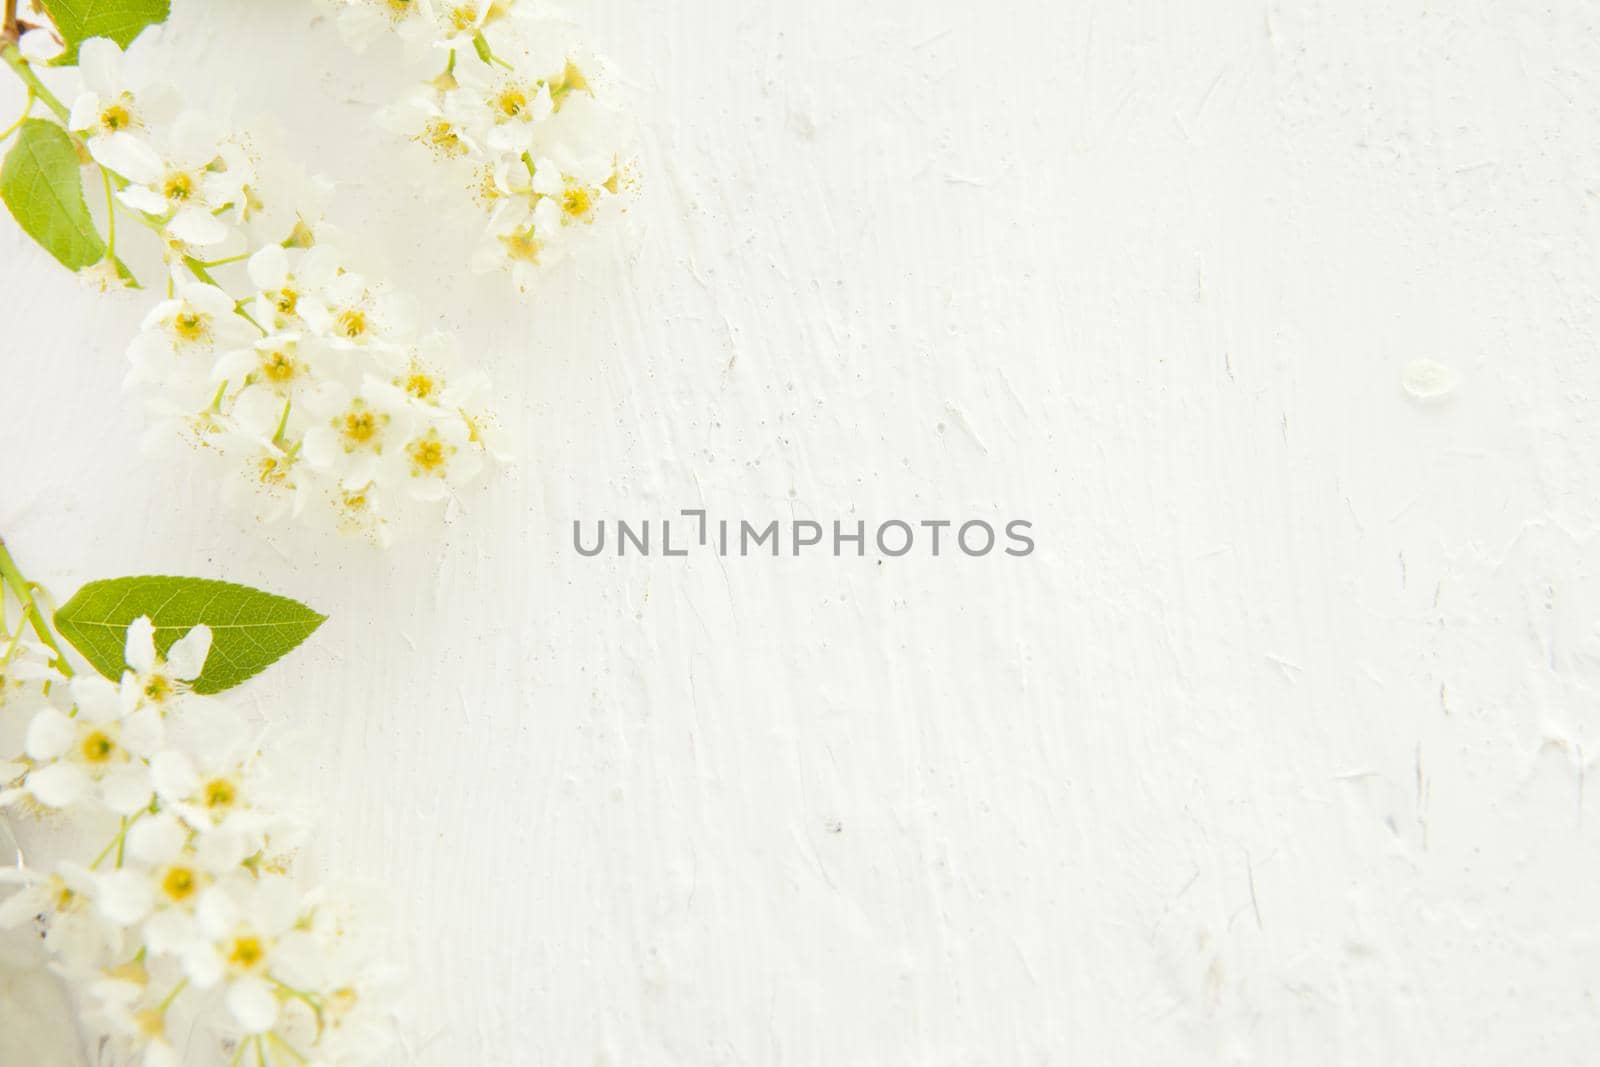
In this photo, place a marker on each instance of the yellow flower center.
(351, 323)
(522, 246)
(462, 18)
(189, 325)
(272, 471)
(98, 747)
(116, 117)
(278, 367)
(421, 385)
(428, 456)
(442, 137)
(511, 102)
(179, 884)
(576, 202)
(158, 687)
(359, 427)
(285, 301)
(247, 953)
(220, 793)
(178, 186)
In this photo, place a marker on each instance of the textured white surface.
(1274, 752)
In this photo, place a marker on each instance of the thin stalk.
(27, 109)
(13, 57)
(23, 590)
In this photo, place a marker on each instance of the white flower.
(117, 110)
(358, 434)
(353, 312)
(62, 903)
(451, 23)
(512, 92)
(275, 390)
(186, 918)
(154, 680)
(97, 754)
(283, 278)
(127, 1005)
(262, 474)
(240, 926)
(180, 337)
(186, 183)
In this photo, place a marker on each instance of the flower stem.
(13, 57)
(24, 590)
(27, 109)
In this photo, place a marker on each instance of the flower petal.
(49, 734)
(58, 785)
(187, 656)
(128, 156)
(253, 1005)
(140, 648)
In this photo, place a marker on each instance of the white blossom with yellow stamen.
(189, 931)
(505, 103)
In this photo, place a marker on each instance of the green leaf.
(120, 20)
(42, 185)
(249, 629)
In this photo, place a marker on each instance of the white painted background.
(1275, 752)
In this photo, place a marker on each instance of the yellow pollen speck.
(98, 747)
(486, 189)
(220, 793)
(351, 323)
(179, 884)
(247, 952)
(343, 1001)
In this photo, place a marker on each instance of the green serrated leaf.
(41, 183)
(249, 629)
(120, 20)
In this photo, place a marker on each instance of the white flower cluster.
(189, 930)
(309, 380)
(506, 106)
